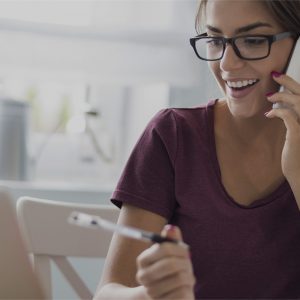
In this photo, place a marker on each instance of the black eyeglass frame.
(271, 39)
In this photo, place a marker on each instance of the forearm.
(115, 291)
(295, 186)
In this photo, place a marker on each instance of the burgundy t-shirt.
(237, 251)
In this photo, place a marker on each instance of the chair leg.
(72, 276)
(41, 264)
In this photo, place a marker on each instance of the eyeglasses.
(248, 47)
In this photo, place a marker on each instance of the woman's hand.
(290, 115)
(165, 270)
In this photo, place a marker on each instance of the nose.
(230, 61)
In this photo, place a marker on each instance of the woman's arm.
(119, 275)
(290, 161)
(135, 270)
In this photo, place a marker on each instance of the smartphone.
(293, 69)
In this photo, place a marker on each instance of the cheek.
(275, 63)
(215, 70)
(270, 85)
(267, 84)
(212, 66)
(280, 55)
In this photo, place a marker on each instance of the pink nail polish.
(276, 74)
(269, 94)
(170, 227)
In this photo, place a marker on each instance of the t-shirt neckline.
(276, 194)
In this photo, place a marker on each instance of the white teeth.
(238, 84)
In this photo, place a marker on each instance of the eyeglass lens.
(249, 47)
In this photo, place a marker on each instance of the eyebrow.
(241, 29)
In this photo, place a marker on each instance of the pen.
(91, 221)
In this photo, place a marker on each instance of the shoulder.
(171, 126)
(179, 116)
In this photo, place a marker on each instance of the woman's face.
(224, 18)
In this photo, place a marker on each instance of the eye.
(214, 42)
(254, 41)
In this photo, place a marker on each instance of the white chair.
(49, 236)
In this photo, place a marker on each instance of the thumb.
(172, 232)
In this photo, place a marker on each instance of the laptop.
(17, 278)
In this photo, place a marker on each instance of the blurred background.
(89, 76)
(79, 81)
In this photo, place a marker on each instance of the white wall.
(125, 50)
(89, 59)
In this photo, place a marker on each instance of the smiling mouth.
(241, 85)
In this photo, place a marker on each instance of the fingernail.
(269, 94)
(170, 227)
(266, 113)
(276, 74)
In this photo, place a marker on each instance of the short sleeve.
(147, 180)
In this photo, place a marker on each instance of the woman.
(227, 173)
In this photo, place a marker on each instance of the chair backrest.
(49, 236)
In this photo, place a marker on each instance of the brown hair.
(286, 13)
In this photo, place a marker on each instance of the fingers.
(172, 232)
(160, 251)
(166, 276)
(166, 269)
(284, 97)
(290, 113)
(185, 293)
(174, 287)
(163, 268)
(290, 100)
(288, 82)
(290, 119)
(159, 273)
